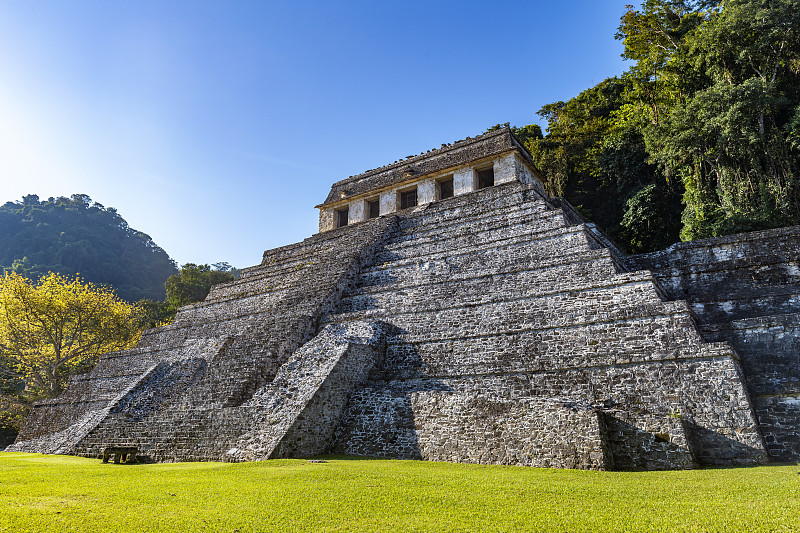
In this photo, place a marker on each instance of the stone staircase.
(297, 413)
(500, 295)
(183, 392)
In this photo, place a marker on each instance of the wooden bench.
(122, 454)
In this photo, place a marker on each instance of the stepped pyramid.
(450, 310)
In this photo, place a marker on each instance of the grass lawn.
(60, 493)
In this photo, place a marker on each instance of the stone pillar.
(505, 169)
(388, 202)
(463, 181)
(357, 211)
(325, 220)
(426, 192)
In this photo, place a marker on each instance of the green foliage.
(156, 313)
(524, 133)
(224, 266)
(56, 327)
(649, 221)
(75, 235)
(62, 493)
(706, 121)
(599, 164)
(13, 409)
(191, 284)
(722, 120)
(13, 406)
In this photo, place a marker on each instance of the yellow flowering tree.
(58, 326)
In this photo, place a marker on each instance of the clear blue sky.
(215, 127)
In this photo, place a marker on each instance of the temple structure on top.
(449, 309)
(454, 169)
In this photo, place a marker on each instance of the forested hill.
(699, 137)
(76, 235)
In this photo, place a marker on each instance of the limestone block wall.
(498, 150)
(526, 175)
(731, 277)
(745, 289)
(320, 378)
(474, 427)
(326, 217)
(461, 154)
(398, 417)
(507, 169)
(426, 191)
(87, 393)
(463, 181)
(296, 413)
(643, 441)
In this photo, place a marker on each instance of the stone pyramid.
(450, 310)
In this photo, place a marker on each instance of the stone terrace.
(503, 317)
(745, 289)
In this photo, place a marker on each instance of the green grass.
(59, 493)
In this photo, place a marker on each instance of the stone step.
(331, 243)
(517, 257)
(278, 262)
(779, 419)
(229, 382)
(261, 325)
(277, 299)
(473, 234)
(592, 263)
(127, 365)
(381, 410)
(473, 427)
(498, 218)
(635, 300)
(703, 252)
(271, 287)
(747, 304)
(442, 294)
(102, 388)
(476, 203)
(281, 276)
(778, 322)
(756, 272)
(248, 312)
(769, 348)
(113, 373)
(579, 346)
(535, 246)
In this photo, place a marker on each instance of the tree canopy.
(76, 235)
(57, 326)
(191, 284)
(699, 137)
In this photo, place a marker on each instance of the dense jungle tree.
(716, 97)
(700, 137)
(601, 167)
